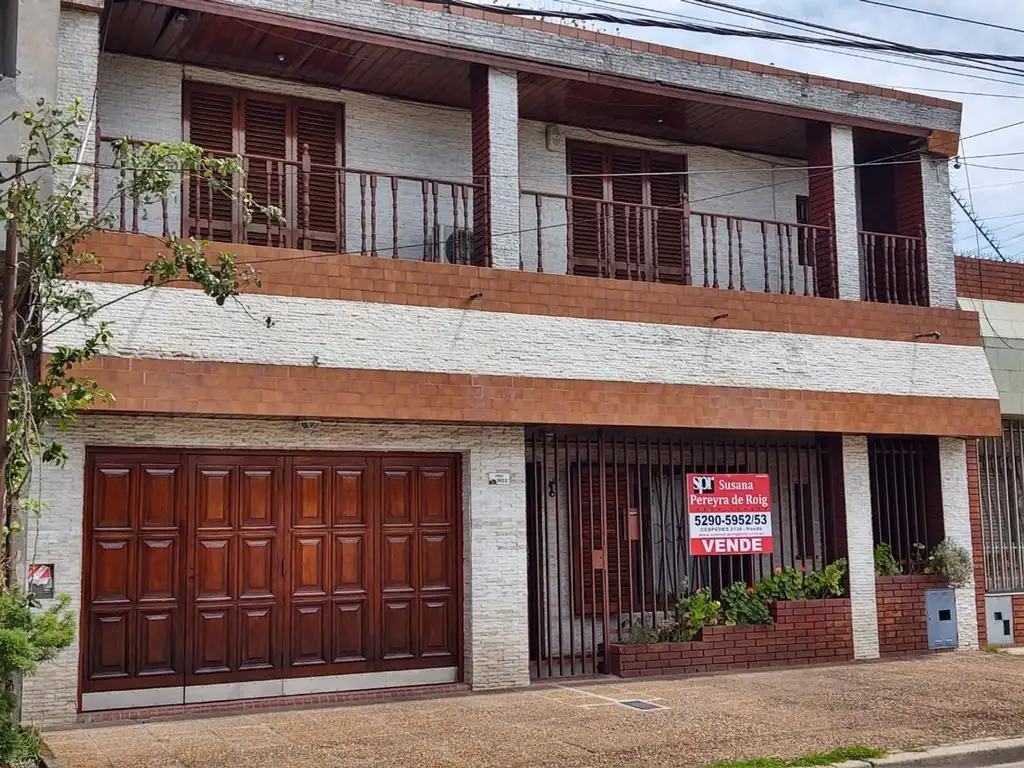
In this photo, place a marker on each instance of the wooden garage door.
(216, 568)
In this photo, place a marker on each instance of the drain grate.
(642, 705)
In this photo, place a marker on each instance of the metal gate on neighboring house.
(606, 525)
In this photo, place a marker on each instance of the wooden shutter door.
(667, 187)
(265, 135)
(629, 219)
(586, 180)
(319, 127)
(210, 124)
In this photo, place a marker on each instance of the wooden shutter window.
(318, 127)
(667, 189)
(264, 133)
(210, 124)
(586, 180)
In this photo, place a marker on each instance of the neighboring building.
(578, 267)
(995, 290)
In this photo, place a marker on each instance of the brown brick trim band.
(236, 389)
(987, 279)
(398, 281)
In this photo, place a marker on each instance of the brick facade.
(804, 632)
(988, 279)
(977, 540)
(1018, 619)
(902, 622)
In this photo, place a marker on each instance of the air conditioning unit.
(453, 245)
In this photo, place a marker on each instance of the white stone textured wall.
(938, 229)
(956, 519)
(353, 334)
(138, 99)
(77, 63)
(460, 31)
(494, 537)
(860, 546)
(845, 217)
(503, 183)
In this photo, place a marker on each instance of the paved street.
(894, 705)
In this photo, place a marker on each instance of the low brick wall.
(902, 621)
(805, 632)
(1018, 619)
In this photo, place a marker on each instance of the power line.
(730, 32)
(944, 16)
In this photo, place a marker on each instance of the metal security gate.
(608, 543)
(1001, 477)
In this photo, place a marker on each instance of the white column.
(956, 520)
(495, 585)
(77, 67)
(495, 116)
(844, 188)
(860, 546)
(938, 230)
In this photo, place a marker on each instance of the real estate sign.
(729, 514)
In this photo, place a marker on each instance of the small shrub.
(952, 562)
(741, 605)
(784, 584)
(694, 613)
(828, 582)
(641, 634)
(885, 563)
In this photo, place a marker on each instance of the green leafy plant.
(784, 584)
(641, 634)
(693, 613)
(885, 563)
(951, 561)
(828, 582)
(740, 605)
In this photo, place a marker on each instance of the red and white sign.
(729, 514)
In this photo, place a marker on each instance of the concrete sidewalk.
(893, 705)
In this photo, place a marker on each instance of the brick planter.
(805, 632)
(902, 621)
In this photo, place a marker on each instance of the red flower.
(750, 590)
(778, 570)
(803, 569)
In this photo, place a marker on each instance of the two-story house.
(530, 277)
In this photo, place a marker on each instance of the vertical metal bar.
(1001, 480)
(426, 223)
(605, 597)
(764, 250)
(824, 506)
(739, 252)
(916, 513)
(540, 232)
(640, 531)
(780, 497)
(728, 231)
(632, 493)
(1014, 522)
(663, 570)
(362, 213)
(582, 544)
(714, 248)
(558, 552)
(687, 278)
(394, 217)
(593, 566)
(546, 562)
(618, 552)
(704, 240)
(1007, 483)
(673, 508)
(791, 499)
(536, 600)
(571, 567)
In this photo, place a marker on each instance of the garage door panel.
(213, 568)
(214, 498)
(397, 637)
(111, 566)
(436, 624)
(213, 639)
(257, 633)
(112, 498)
(435, 496)
(350, 632)
(258, 498)
(348, 506)
(110, 644)
(397, 562)
(350, 563)
(309, 564)
(435, 561)
(257, 572)
(309, 634)
(309, 498)
(158, 569)
(157, 648)
(397, 496)
(158, 502)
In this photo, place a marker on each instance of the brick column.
(956, 518)
(833, 201)
(860, 546)
(977, 543)
(495, 127)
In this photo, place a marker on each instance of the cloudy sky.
(990, 99)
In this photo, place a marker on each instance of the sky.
(997, 193)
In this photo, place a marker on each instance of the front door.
(250, 569)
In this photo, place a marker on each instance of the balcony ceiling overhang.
(210, 34)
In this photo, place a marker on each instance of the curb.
(971, 754)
